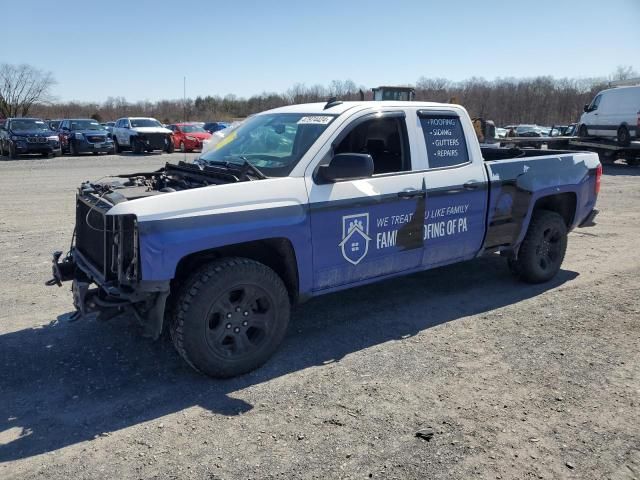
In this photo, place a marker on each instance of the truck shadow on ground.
(70, 382)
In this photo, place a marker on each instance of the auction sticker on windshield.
(226, 140)
(315, 120)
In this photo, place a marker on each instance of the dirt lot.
(515, 381)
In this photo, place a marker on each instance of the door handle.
(412, 193)
(471, 185)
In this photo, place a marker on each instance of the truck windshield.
(192, 129)
(274, 143)
(85, 125)
(144, 122)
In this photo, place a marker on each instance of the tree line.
(543, 100)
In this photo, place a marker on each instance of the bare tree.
(22, 86)
(623, 72)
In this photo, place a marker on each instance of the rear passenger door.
(372, 227)
(454, 221)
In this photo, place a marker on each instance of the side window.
(385, 139)
(596, 102)
(444, 138)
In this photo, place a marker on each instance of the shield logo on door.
(355, 237)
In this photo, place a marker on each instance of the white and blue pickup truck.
(310, 199)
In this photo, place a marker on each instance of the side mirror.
(346, 166)
(586, 108)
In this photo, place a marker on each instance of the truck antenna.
(332, 102)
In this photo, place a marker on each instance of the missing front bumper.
(146, 300)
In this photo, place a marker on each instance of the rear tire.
(231, 316)
(137, 146)
(624, 138)
(543, 248)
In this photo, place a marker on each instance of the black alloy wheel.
(231, 316)
(543, 248)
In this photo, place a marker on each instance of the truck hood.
(217, 199)
(92, 132)
(151, 130)
(33, 133)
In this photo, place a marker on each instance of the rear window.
(444, 137)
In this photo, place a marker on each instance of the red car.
(188, 136)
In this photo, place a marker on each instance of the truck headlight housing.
(79, 136)
(193, 139)
(52, 138)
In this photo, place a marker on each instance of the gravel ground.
(512, 381)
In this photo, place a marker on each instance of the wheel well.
(276, 253)
(562, 203)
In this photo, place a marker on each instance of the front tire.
(231, 316)
(624, 138)
(73, 151)
(116, 147)
(543, 248)
(583, 132)
(13, 154)
(137, 146)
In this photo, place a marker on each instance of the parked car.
(613, 113)
(28, 135)
(188, 137)
(213, 127)
(54, 124)
(108, 126)
(311, 199)
(84, 135)
(570, 131)
(141, 134)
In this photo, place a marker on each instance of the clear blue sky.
(142, 49)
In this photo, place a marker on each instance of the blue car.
(27, 135)
(212, 127)
(84, 135)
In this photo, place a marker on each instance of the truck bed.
(519, 178)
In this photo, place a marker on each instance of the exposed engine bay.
(170, 178)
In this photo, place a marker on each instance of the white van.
(613, 113)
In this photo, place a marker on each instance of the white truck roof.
(344, 106)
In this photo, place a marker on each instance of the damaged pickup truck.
(310, 199)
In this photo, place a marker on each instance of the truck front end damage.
(103, 266)
(104, 263)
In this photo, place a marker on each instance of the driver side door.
(372, 227)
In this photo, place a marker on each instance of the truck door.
(368, 228)
(457, 196)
